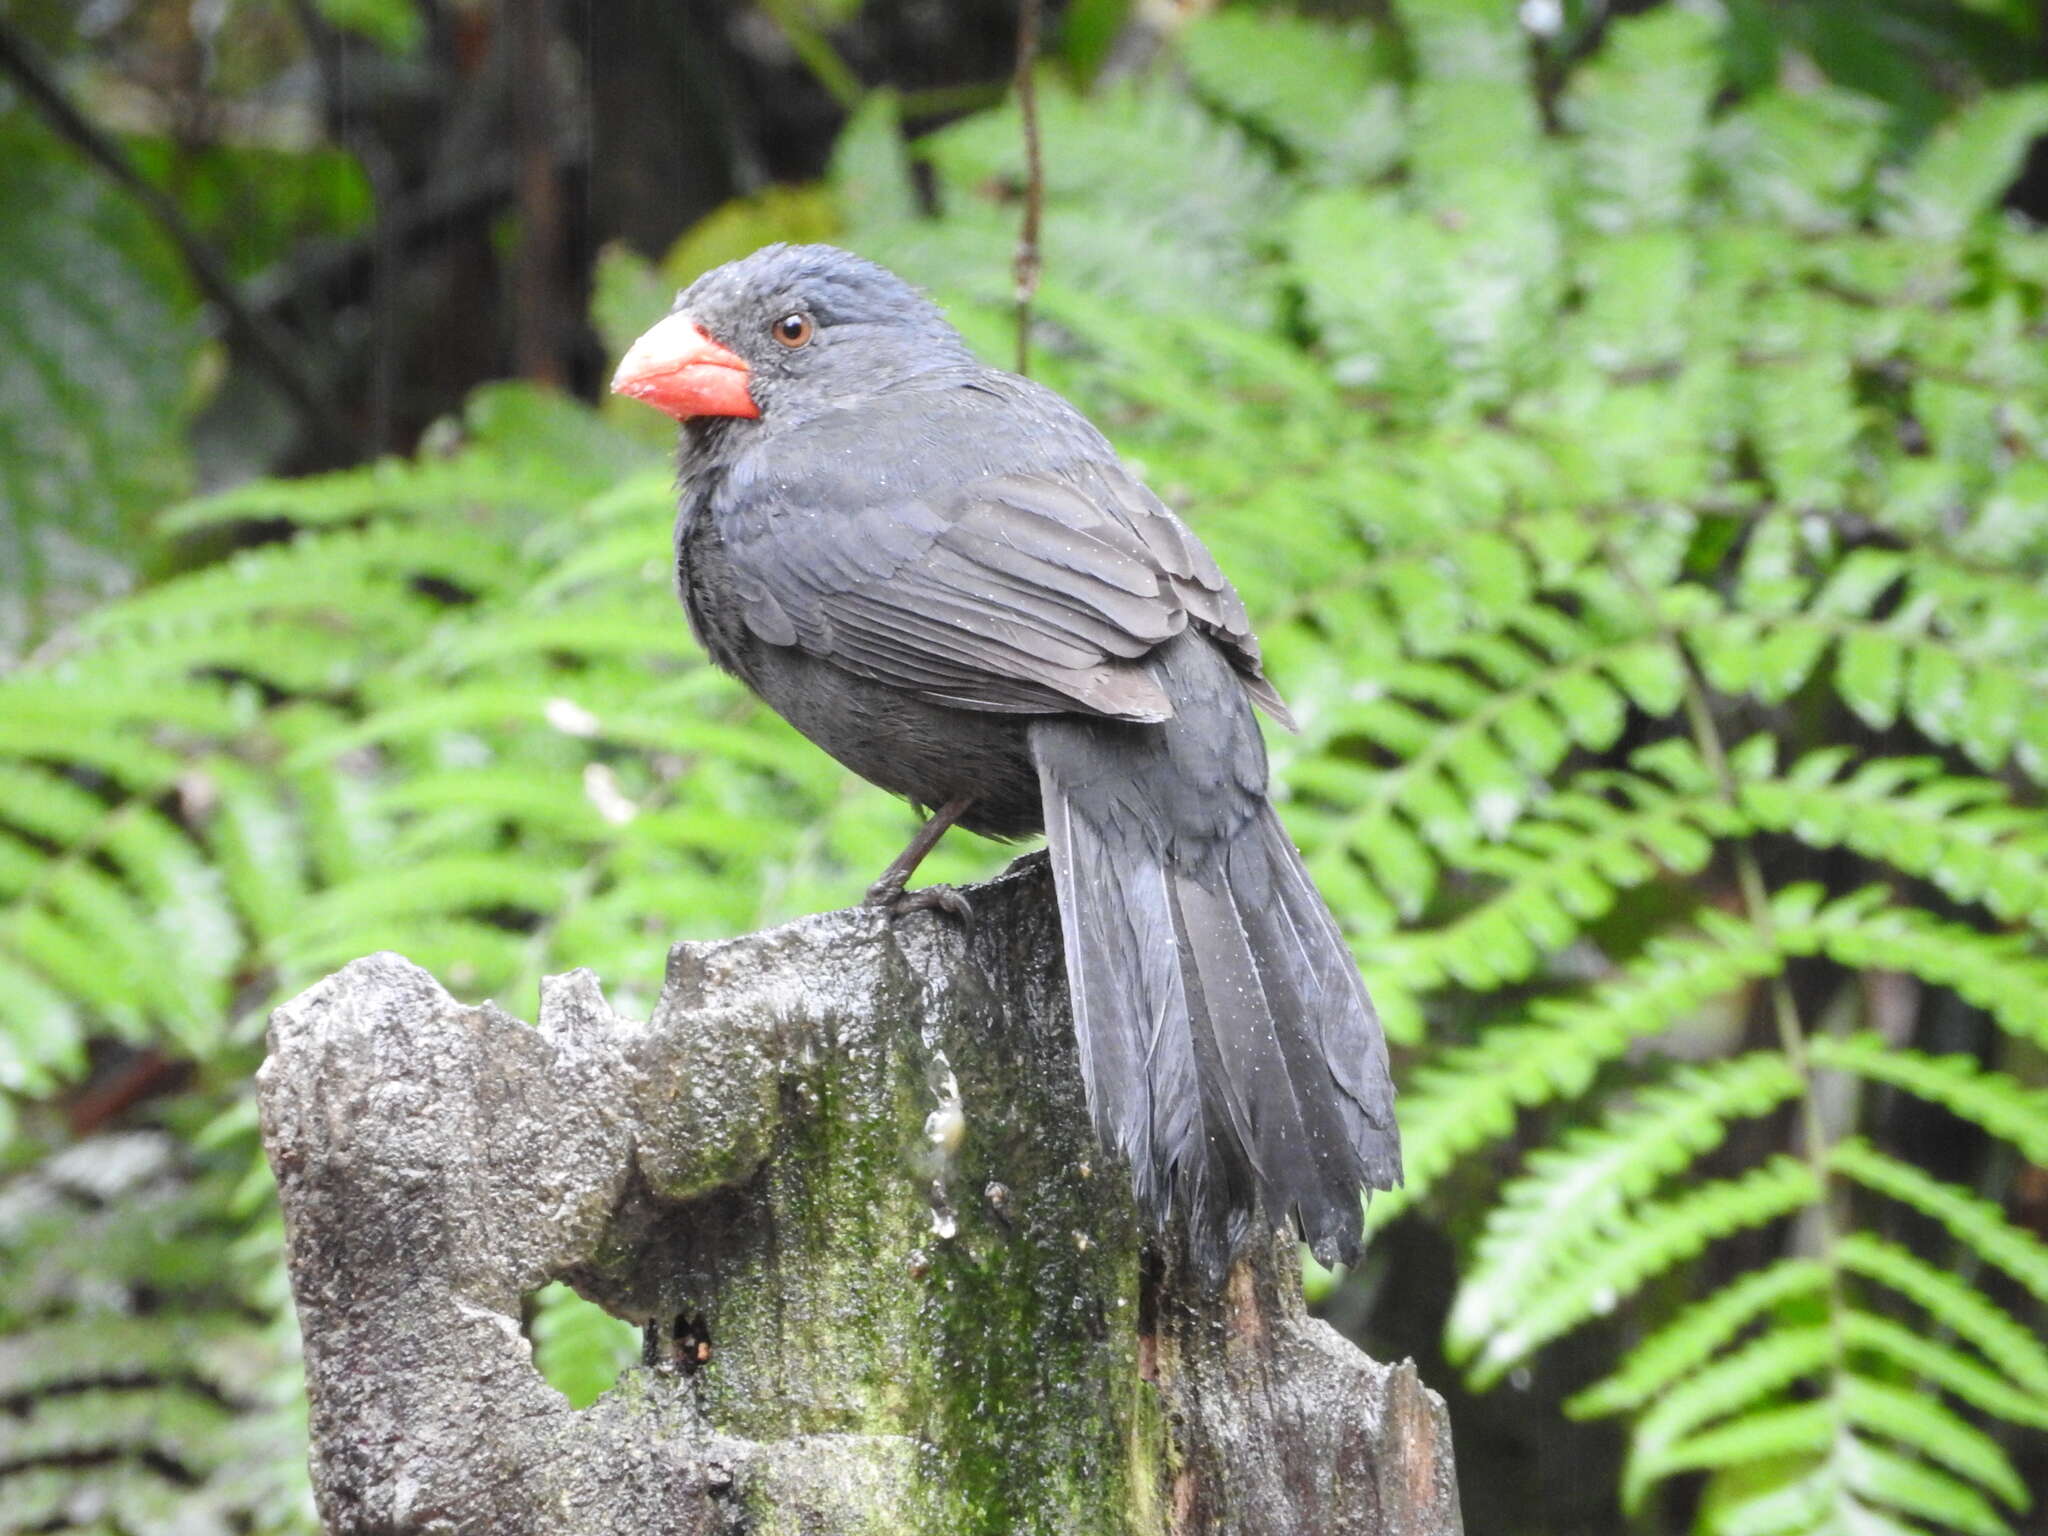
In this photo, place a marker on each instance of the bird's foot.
(890, 897)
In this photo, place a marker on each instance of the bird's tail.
(1228, 1046)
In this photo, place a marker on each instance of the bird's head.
(785, 332)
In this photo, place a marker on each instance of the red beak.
(682, 372)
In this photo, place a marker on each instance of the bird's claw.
(897, 902)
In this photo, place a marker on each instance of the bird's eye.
(793, 329)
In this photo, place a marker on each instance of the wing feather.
(1028, 592)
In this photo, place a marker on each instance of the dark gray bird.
(942, 575)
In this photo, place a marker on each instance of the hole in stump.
(692, 1343)
(578, 1347)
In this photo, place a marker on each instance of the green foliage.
(1646, 516)
(579, 1347)
(390, 23)
(96, 353)
(140, 1392)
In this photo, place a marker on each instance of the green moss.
(1030, 1382)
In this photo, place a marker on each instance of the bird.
(943, 575)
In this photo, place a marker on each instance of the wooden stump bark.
(845, 1180)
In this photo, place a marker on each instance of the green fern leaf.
(1473, 754)
(1978, 1224)
(1803, 157)
(1945, 1366)
(94, 380)
(1565, 866)
(1921, 1422)
(1650, 1239)
(1964, 834)
(1319, 90)
(1804, 1506)
(1797, 1430)
(1732, 1386)
(1562, 1210)
(42, 1033)
(1696, 1334)
(1954, 1305)
(1472, 1093)
(1885, 1477)
(1969, 162)
(1640, 115)
(2002, 974)
(2000, 1104)
(258, 841)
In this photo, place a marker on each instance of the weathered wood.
(854, 1158)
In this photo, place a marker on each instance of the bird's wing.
(1026, 593)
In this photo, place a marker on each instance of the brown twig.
(271, 349)
(537, 325)
(326, 47)
(1027, 264)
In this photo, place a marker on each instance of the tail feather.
(1130, 1012)
(1239, 1023)
(1337, 1017)
(1228, 1047)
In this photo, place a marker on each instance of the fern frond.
(1695, 1334)
(1966, 835)
(1977, 1224)
(1944, 1365)
(1795, 1430)
(52, 701)
(1956, 690)
(1323, 92)
(122, 881)
(555, 805)
(389, 489)
(1565, 865)
(1967, 163)
(1476, 732)
(2003, 974)
(47, 805)
(42, 1034)
(110, 920)
(1731, 1387)
(1652, 1237)
(1812, 1505)
(257, 837)
(2001, 1104)
(1885, 1477)
(640, 627)
(359, 580)
(108, 749)
(1563, 1207)
(1953, 1304)
(141, 1376)
(1640, 115)
(1925, 1425)
(450, 883)
(189, 1431)
(522, 447)
(1471, 1094)
(306, 658)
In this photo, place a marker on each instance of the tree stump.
(844, 1179)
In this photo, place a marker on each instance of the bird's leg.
(888, 892)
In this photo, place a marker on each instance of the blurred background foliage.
(1626, 422)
